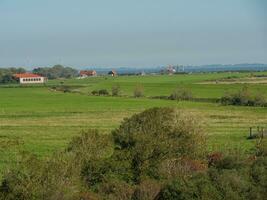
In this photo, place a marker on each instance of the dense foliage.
(157, 154)
(244, 97)
(6, 74)
(57, 71)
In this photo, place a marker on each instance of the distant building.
(170, 70)
(29, 78)
(112, 73)
(87, 73)
(142, 73)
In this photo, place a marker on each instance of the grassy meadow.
(42, 121)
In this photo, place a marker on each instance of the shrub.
(95, 92)
(258, 174)
(244, 97)
(91, 145)
(94, 172)
(138, 91)
(58, 177)
(261, 148)
(103, 92)
(197, 187)
(181, 94)
(35, 179)
(147, 189)
(116, 90)
(116, 189)
(158, 134)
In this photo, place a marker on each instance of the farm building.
(29, 78)
(112, 73)
(87, 73)
(170, 70)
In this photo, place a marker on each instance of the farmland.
(42, 121)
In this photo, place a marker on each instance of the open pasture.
(42, 121)
(202, 85)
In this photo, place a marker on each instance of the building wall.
(32, 80)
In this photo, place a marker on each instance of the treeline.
(57, 71)
(6, 74)
(159, 154)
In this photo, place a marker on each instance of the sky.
(132, 33)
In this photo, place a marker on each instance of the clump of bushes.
(102, 92)
(138, 91)
(116, 90)
(181, 93)
(157, 154)
(244, 97)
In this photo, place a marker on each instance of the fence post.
(250, 132)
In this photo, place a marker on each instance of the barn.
(29, 78)
(87, 73)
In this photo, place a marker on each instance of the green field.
(40, 120)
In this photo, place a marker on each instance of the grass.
(164, 84)
(42, 121)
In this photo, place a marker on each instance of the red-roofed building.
(29, 78)
(87, 73)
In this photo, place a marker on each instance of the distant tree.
(57, 71)
(116, 90)
(138, 91)
(181, 93)
(7, 74)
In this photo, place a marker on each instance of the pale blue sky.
(132, 32)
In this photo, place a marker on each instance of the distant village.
(39, 75)
(43, 74)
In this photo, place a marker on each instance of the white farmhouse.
(29, 78)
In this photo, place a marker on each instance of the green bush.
(181, 94)
(198, 186)
(244, 97)
(158, 134)
(138, 91)
(102, 92)
(95, 92)
(116, 90)
(147, 189)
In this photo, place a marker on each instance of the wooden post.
(250, 132)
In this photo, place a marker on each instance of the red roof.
(27, 75)
(88, 72)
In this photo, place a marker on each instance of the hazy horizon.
(132, 34)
